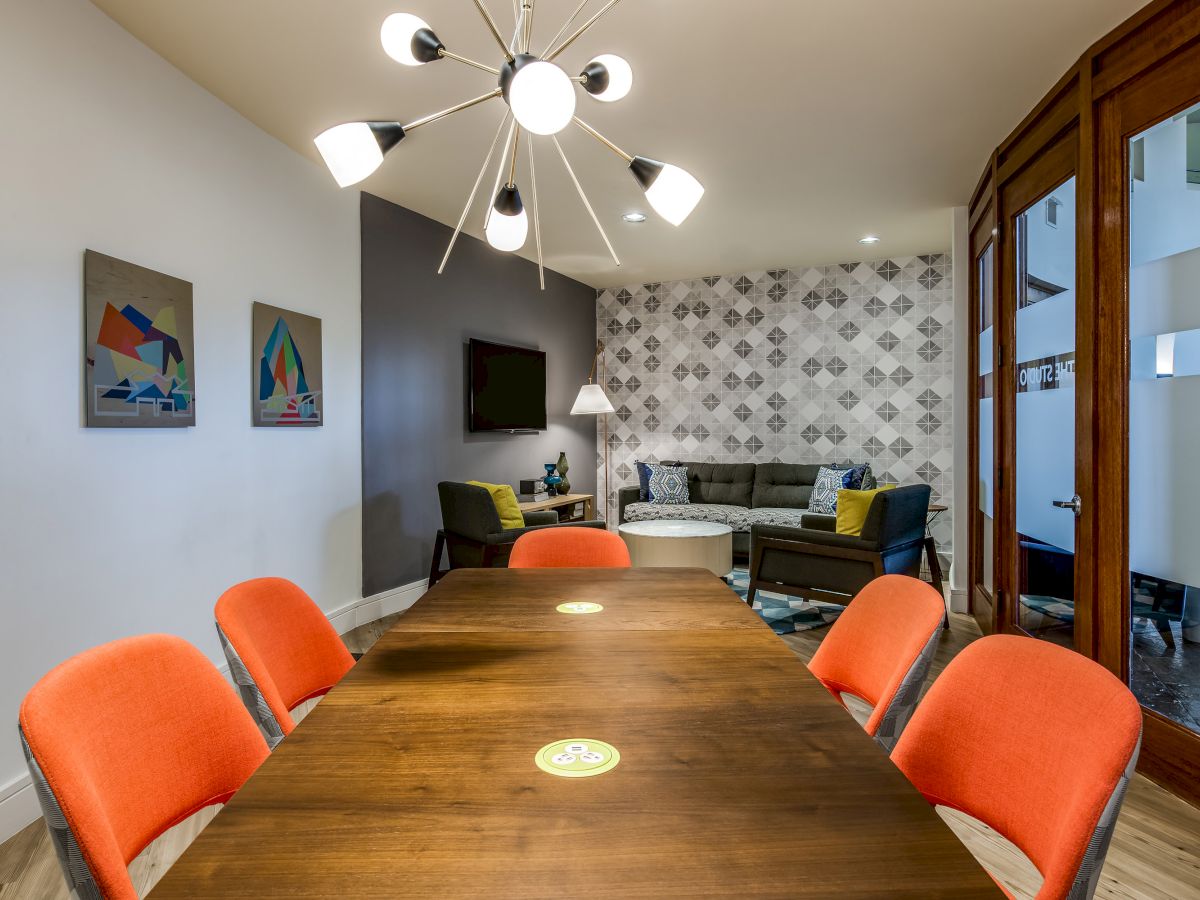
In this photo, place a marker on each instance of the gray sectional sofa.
(739, 495)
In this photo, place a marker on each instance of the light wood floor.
(1155, 852)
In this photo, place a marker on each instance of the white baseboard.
(958, 602)
(18, 806)
(18, 800)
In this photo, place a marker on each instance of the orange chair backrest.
(1029, 738)
(877, 638)
(568, 547)
(285, 642)
(133, 737)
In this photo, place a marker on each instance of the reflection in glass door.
(986, 515)
(1164, 425)
(1046, 504)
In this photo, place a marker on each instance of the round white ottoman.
(703, 545)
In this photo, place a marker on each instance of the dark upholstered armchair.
(816, 563)
(472, 533)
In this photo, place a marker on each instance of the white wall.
(107, 533)
(1164, 209)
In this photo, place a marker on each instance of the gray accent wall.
(850, 362)
(415, 325)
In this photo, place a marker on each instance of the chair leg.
(435, 565)
(935, 575)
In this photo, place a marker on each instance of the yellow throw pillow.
(852, 508)
(506, 504)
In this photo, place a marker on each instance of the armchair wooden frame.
(875, 558)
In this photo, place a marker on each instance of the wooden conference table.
(739, 775)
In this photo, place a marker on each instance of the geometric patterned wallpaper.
(842, 363)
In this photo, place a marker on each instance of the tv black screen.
(508, 388)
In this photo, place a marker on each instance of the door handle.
(1074, 504)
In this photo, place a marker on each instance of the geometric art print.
(139, 370)
(287, 368)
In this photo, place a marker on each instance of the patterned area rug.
(785, 615)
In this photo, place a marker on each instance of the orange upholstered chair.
(125, 741)
(880, 650)
(281, 650)
(1035, 741)
(583, 548)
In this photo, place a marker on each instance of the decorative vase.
(552, 480)
(563, 465)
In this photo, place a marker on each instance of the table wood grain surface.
(739, 774)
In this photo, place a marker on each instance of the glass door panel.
(986, 398)
(1164, 418)
(1045, 416)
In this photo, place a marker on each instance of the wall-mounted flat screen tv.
(508, 388)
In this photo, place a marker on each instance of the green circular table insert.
(578, 608)
(577, 758)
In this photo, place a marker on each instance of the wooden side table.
(566, 501)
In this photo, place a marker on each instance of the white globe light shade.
(620, 78)
(592, 401)
(674, 194)
(507, 233)
(350, 151)
(542, 98)
(397, 37)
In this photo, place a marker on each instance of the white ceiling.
(810, 124)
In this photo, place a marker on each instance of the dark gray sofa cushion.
(778, 485)
(731, 484)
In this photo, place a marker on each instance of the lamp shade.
(409, 40)
(672, 192)
(610, 78)
(592, 401)
(542, 97)
(355, 150)
(507, 226)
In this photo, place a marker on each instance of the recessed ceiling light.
(634, 218)
(869, 239)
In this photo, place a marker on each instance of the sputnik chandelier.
(541, 101)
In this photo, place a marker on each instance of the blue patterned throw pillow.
(861, 478)
(668, 485)
(643, 471)
(830, 480)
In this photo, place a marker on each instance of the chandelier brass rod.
(567, 24)
(553, 54)
(512, 171)
(446, 54)
(528, 29)
(586, 202)
(537, 219)
(602, 139)
(491, 205)
(491, 24)
(467, 104)
(462, 220)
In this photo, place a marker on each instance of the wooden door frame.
(983, 234)
(1121, 78)
(1170, 752)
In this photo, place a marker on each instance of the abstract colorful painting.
(287, 368)
(140, 371)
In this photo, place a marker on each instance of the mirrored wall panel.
(1045, 416)
(1164, 418)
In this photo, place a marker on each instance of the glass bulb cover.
(542, 98)
(507, 233)
(620, 78)
(592, 401)
(350, 151)
(397, 36)
(674, 194)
